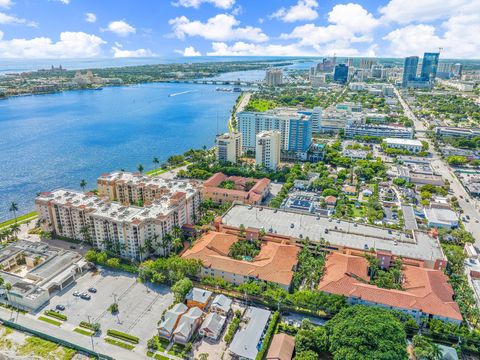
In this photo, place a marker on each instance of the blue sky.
(166, 28)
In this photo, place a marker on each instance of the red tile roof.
(274, 263)
(424, 289)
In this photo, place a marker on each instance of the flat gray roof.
(409, 216)
(55, 264)
(280, 222)
(245, 342)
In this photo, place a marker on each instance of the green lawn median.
(119, 343)
(56, 315)
(123, 336)
(50, 321)
(83, 331)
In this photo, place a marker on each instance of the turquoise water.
(55, 140)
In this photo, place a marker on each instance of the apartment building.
(267, 149)
(136, 189)
(130, 231)
(295, 127)
(245, 190)
(379, 131)
(229, 147)
(274, 77)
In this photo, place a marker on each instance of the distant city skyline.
(126, 28)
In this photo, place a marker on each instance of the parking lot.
(140, 305)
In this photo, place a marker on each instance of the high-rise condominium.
(267, 149)
(274, 77)
(229, 147)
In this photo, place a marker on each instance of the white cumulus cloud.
(90, 17)
(459, 39)
(189, 51)
(348, 24)
(6, 19)
(302, 10)
(118, 52)
(241, 48)
(70, 45)
(6, 3)
(121, 28)
(222, 4)
(402, 12)
(222, 27)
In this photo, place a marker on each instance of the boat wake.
(180, 93)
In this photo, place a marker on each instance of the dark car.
(92, 290)
(60, 307)
(85, 296)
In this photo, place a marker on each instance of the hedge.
(87, 325)
(50, 321)
(231, 329)
(56, 315)
(123, 336)
(119, 343)
(268, 336)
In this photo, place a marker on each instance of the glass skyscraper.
(410, 69)
(429, 66)
(341, 73)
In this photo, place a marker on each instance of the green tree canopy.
(361, 332)
(181, 288)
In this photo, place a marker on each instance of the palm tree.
(8, 287)
(177, 243)
(83, 184)
(140, 168)
(15, 229)
(155, 162)
(14, 209)
(436, 352)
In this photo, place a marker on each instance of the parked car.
(85, 296)
(92, 290)
(60, 307)
(76, 293)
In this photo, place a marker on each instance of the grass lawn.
(177, 350)
(161, 357)
(159, 171)
(50, 321)
(83, 331)
(119, 343)
(38, 348)
(20, 219)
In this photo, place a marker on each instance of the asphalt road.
(469, 207)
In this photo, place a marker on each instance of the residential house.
(187, 325)
(198, 298)
(212, 326)
(170, 320)
(281, 348)
(221, 305)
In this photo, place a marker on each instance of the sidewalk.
(68, 335)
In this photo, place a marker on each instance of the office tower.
(229, 147)
(274, 77)
(341, 73)
(429, 66)
(267, 149)
(457, 69)
(349, 62)
(409, 69)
